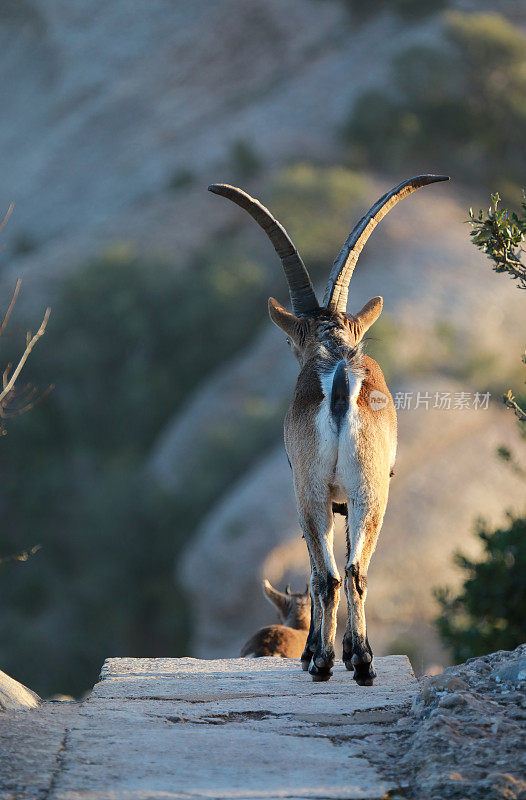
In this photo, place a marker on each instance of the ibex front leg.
(317, 524)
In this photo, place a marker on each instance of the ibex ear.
(277, 599)
(369, 314)
(284, 319)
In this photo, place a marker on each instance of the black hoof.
(306, 657)
(321, 677)
(364, 673)
(318, 674)
(320, 668)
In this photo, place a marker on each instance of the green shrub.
(488, 614)
(458, 109)
(500, 234)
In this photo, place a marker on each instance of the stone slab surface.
(30, 744)
(232, 728)
(167, 729)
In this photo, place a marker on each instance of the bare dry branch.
(5, 375)
(25, 555)
(13, 401)
(26, 403)
(11, 305)
(25, 355)
(7, 215)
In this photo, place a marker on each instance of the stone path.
(164, 729)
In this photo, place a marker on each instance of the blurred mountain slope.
(115, 118)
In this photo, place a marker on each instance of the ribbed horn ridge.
(337, 289)
(300, 287)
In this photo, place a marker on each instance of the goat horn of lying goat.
(337, 290)
(301, 290)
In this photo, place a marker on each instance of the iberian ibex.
(340, 429)
(288, 639)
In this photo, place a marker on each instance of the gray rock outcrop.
(14, 696)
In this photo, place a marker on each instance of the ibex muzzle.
(340, 429)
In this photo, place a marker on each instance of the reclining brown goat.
(286, 640)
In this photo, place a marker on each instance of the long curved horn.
(337, 289)
(300, 287)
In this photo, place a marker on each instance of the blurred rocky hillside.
(115, 118)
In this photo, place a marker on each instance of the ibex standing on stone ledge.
(340, 430)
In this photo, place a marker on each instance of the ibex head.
(293, 607)
(309, 324)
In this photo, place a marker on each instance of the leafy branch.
(510, 402)
(499, 234)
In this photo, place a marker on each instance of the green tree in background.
(488, 614)
(467, 97)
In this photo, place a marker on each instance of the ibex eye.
(289, 342)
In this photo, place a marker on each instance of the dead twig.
(25, 402)
(25, 355)
(26, 398)
(25, 555)
(7, 215)
(11, 305)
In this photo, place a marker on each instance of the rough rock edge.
(14, 696)
(464, 738)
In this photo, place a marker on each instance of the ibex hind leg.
(361, 541)
(357, 652)
(317, 523)
(313, 638)
(323, 658)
